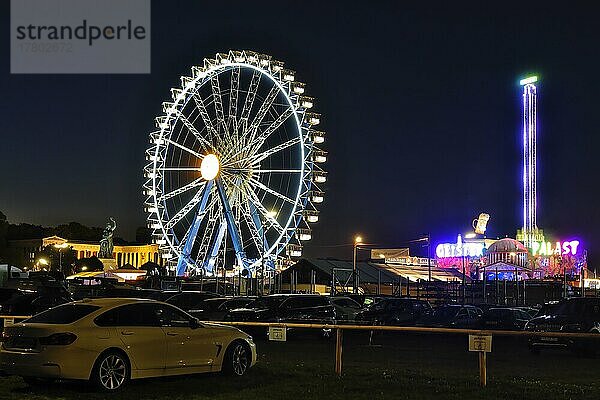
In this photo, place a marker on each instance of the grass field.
(402, 366)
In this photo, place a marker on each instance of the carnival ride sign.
(468, 249)
(554, 249)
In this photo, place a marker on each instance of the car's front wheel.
(111, 371)
(237, 359)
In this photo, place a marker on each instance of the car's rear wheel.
(237, 359)
(111, 371)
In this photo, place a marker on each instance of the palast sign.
(554, 249)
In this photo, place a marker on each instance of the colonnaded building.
(25, 251)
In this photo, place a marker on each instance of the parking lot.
(395, 365)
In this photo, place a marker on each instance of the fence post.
(482, 369)
(338, 351)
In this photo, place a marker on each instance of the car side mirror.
(195, 323)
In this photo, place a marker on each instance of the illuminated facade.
(134, 255)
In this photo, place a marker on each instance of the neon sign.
(459, 249)
(551, 249)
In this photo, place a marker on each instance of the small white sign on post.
(481, 343)
(277, 333)
(9, 321)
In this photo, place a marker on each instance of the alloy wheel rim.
(240, 360)
(112, 372)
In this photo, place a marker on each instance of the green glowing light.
(528, 80)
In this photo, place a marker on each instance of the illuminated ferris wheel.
(234, 171)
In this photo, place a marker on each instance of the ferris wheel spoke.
(185, 210)
(265, 213)
(257, 143)
(262, 111)
(257, 158)
(204, 115)
(233, 97)
(216, 93)
(277, 171)
(252, 89)
(267, 189)
(190, 127)
(169, 168)
(195, 183)
(184, 148)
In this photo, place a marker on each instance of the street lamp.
(357, 242)
(60, 247)
(43, 261)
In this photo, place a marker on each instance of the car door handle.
(126, 333)
(172, 333)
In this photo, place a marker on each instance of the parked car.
(189, 300)
(394, 311)
(547, 308)
(345, 308)
(513, 319)
(294, 308)
(216, 308)
(531, 311)
(109, 341)
(577, 315)
(87, 288)
(28, 297)
(452, 316)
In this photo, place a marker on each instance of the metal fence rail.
(458, 331)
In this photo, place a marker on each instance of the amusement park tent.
(368, 272)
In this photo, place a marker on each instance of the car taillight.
(58, 339)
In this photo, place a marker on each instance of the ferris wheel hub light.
(210, 167)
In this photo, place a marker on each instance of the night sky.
(421, 109)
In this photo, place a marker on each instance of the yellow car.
(109, 341)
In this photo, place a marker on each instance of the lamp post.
(60, 247)
(357, 241)
(43, 261)
(428, 262)
(464, 278)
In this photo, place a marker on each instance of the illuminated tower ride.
(529, 232)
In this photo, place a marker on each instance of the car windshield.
(64, 314)
(267, 302)
(211, 304)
